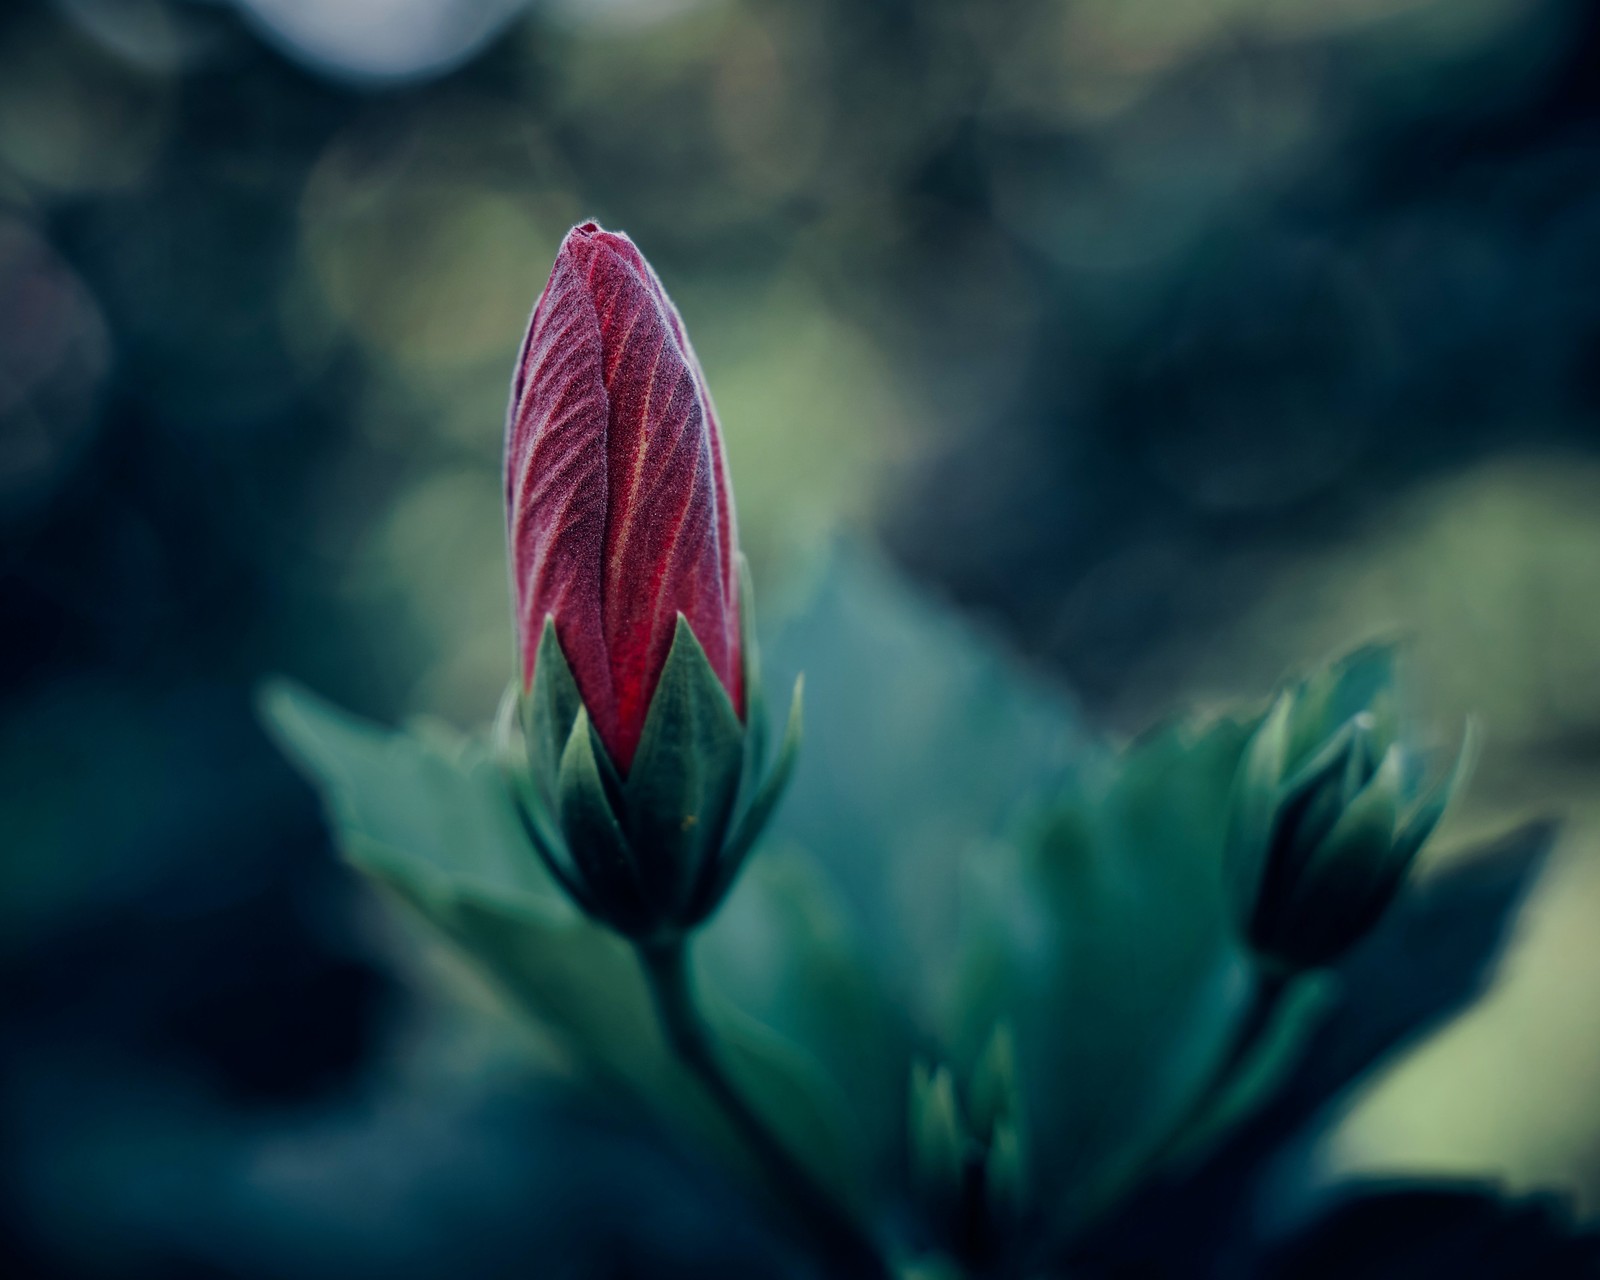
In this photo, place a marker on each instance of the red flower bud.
(620, 515)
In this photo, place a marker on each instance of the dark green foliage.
(1435, 953)
(1462, 1231)
(1109, 1074)
(1106, 945)
(425, 813)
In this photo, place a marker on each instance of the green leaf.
(1110, 949)
(924, 741)
(435, 808)
(785, 951)
(785, 1085)
(573, 977)
(684, 778)
(584, 981)
(429, 818)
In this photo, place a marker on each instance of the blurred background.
(1175, 343)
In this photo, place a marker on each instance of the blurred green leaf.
(783, 950)
(1434, 954)
(427, 804)
(426, 814)
(1106, 943)
(785, 1084)
(923, 744)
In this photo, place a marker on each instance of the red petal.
(556, 483)
(727, 524)
(620, 509)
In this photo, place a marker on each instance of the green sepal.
(1418, 825)
(1351, 876)
(1412, 835)
(755, 702)
(1326, 762)
(1362, 680)
(1363, 759)
(1364, 833)
(599, 848)
(684, 781)
(1254, 807)
(760, 808)
(549, 708)
(528, 799)
(669, 838)
(1312, 801)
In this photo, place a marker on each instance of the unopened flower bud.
(1328, 814)
(638, 701)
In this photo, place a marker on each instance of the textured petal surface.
(620, 515)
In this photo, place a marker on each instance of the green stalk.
(1267, 993)
(1266, 997)
(827, 1223)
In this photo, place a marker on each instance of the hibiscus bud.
(967, 1158)
(1328, 814)
(638, 700)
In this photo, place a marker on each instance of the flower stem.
(853, 1253)
(1266, 995)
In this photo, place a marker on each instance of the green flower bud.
(968, 1160)
(939, 1139)
(652, 851)
(1328, 813)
